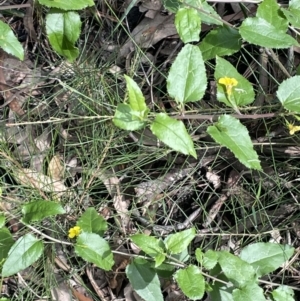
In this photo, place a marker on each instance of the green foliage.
(288, 94)
(24, 252)
(63, 30)
(9, 43)
(260, 32)
(6, 242)
(188, 24)
(187, 78)
(242, 94)
(93, 248)
(191, 281)
(91, 222)
(38, 210)
(229, 131)
(219, 42)
(2, 220)
(173, 133)
(176, 243)
(144, 280)
(67, 5)
(266, 257)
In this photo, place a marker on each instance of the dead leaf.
(56, 168)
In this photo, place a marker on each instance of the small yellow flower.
(293, 128)
(229, 83)
(75, 231)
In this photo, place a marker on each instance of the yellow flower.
(75, 231)
(293, 128)
(229, 83)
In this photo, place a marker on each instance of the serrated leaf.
(136, 97)
(173, 133)
(242, 94)
(293, 16)
(266, 257)
(221, 41)
(93, 248)
(288, 94)
(38, 210)
(249, 293)
(206, 12)
(229, 132)
(6, 242)
(270, 11)
(67, 5)
(187, 78)
(259, 32)
(178, 242)
(199, 255)
(144, 280)
(63, 30)
(239, 272)
(283, 293)
(9, 43)
(127, 119)
(191, 282)
(91, 222)
(159, 259)
(188, 24)
(210, 259)
(211, 16)
(149, 244)
(24, 252)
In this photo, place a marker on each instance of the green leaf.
(149, 244)
(259, 32)
(293, 16)
(127, 119)
(2, 219)
(178, 242)
(199, 255)
(266, 257)
(6, 242)
(182, 256)
(92, 222)
(239, 272)
(242, 94)
(93, 248)
(63, 29)
(270, 11)
(283, 293)
(24, 252)
(171, 5)
(210, 259)
(191, 282)
(67, 5)
(188, 24)
(229, 132)
(9, 43)
(249, 293)
(221, 41)
(288, 94)
(38, 210)
(159, 259)
(187, 78)
(210, 17)
(136, 98)
(173, 133)
(144, 280)
(220, 291)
